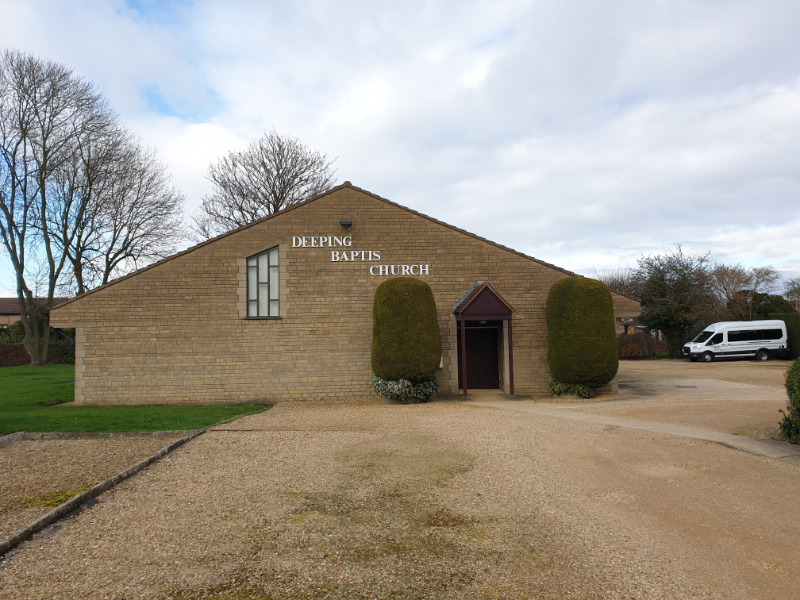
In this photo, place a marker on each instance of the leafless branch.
(273, 173)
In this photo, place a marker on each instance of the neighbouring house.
(9, 312)
(281, 309)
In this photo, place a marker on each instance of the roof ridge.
(343, 185)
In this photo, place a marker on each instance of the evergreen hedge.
(792, 321)
(581, 341)
(790, 425)
(406, 342)
(15, 355)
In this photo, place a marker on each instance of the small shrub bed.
(559, 387)
(790, 425)
(405, 391)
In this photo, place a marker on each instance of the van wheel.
(708, 357)
(762, 355)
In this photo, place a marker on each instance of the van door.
(716, 343)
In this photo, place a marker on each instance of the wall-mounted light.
(347, 224)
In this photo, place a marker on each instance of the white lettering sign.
(323, 241)
(399, 270)
(335, 241)
(354, 255)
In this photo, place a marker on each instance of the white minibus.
(734, 339)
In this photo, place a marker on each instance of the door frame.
(480, 335)
(483, 303)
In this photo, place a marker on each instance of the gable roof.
(345, 185)
(483, 300)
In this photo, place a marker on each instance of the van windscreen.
(703, 336)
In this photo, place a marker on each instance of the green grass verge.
(30, 398)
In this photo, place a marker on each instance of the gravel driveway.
(446, 500)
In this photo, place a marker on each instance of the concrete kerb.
(11, 438)
(76, 502)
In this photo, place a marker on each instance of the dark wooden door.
(483, 371)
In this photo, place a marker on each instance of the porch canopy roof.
(482, 303)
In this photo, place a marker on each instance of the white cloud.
(582, 133)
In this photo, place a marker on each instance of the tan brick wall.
(176, 332)
(625, 306)
(8, 319)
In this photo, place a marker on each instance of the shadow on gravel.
(640, 389)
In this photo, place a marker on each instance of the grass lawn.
(30, 399)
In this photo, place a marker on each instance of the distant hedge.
(581, 341)
(792, 321)
(406, 342)
(640, 345)
(790, 425)
(15, 355)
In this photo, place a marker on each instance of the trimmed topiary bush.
(581, 342)
(406, 342)
(790, 426)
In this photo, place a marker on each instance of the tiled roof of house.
(9, 306)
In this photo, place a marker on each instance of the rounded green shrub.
(581, 342)
(406, 342)
(791, 417)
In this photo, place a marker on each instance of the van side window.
(717, 339)
(772, 334)
(744, 335)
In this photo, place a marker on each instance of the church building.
(281, 310)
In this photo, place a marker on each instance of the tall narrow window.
(263, 296)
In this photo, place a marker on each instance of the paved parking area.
(446, 500)
(739, 415)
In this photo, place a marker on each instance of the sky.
(586, 134)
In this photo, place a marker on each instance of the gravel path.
(444, 500)
(38, 473)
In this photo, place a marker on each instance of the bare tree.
(77, 194)
(43, 108)
(727, 282)
(273, 173)
(791, 291)
(737, 288)
(622, 280)
(765, 279)
(132, 213)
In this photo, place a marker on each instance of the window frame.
(262, 271)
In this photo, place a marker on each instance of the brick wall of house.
(175, 332)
